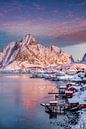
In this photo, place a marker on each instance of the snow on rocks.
(73, 66)
(28, 50)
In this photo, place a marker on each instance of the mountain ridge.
(29, 51)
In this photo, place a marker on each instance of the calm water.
(20, 98)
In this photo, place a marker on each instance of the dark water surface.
(20, 98)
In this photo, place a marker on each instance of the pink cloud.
(47, 28)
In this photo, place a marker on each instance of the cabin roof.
(68, 91)
(53, 102)
(63, 86)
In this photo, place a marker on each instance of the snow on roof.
(53, 102)
(74, 99)
(68, 91)
(82, 102)
(75, 87)
(63, 86)
(78, 98)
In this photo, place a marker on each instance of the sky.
(58, 22)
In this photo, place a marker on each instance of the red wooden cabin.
(68, 93)
(72, 89)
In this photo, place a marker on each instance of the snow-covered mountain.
(73, 66)
(28, 53)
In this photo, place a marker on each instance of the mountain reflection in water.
(20, 98)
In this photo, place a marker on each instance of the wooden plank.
(54, 93)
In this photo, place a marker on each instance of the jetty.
(68, 98)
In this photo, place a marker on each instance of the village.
(71, 95)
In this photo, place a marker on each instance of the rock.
(28, 50)
(84, 58)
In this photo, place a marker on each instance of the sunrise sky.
(58, 22)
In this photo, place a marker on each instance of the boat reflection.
(20, 99)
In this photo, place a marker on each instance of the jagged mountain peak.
(29, 39)
(55, 49)
(28, 50)
(84, 58)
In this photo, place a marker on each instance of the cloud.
(76, 37)
(60, 31)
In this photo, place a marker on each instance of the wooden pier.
(56, 107)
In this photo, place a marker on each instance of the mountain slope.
(84, 58)
(28, 53)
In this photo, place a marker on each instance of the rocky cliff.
(29, 53)
(84, 58)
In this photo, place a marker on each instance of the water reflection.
(20, 99)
